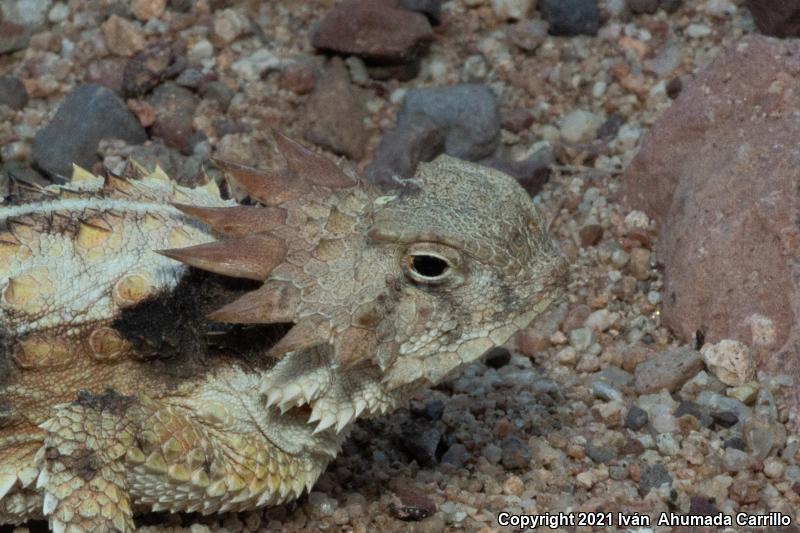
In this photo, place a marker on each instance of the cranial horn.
(250, 257)
(312, 167)
(309, 332)
(275, 302)
(236, 221)
(269, 188)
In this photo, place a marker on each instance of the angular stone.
(12, 92)
(467, 113)
(571, 17)
(775, 18)
(374, 31)
(667, 370)
(174, 107)
(88, 114)
(336, 111)
(402, 149)
(13, 37)
(718, 173)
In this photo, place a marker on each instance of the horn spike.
(310, 332)
(269, 188)
(354, 345)
(402, 372)
(249, 257)
(274, 302)
(313, 167)
(236, 221)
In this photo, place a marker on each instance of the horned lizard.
(131, 382)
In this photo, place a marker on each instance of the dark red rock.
(336, 111)
(174, 107)
(531, 173)
(590, 234)
(778, 18)
(411, 505)
(108, 72)
(401, 71)
(12, 92)
(374, 30)
(148, 68)
(516, 120)
(674, 87)
(13, 37)
(718, 173)
(298, 78)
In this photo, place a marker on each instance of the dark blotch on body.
(173, 334)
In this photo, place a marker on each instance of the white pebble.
(730, 361)
(201, 50)
(696, 31)
(599, 89)
(580, 126)
(511, 9)
(58, 13)
(636, 220)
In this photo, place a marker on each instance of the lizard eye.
(428, 266)
(431, 263)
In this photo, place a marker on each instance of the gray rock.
(88, 114)
(12, 92)
(736, 460)
(643, 6)
(531, 173)
(466, 113)
(529, 34)
(601, 454)
(493, 453)
(456, 455)
(571, 17)
(421, 443)
(30, 13)
(516, 454)
(763, 436)
(718, 403)
(432, 410)
(636, 418)
(653, 476)
(671, 6)
(605, 391)
(690, 408)
(402, 149)
(667, 370)
(614, 376)
(430, 8)
(217, 91)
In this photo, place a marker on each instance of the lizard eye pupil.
(428, 266)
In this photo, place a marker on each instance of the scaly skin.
(118, 394)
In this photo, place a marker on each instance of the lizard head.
(387, 292)
(473, 264)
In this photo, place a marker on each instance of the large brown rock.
(779, 18)
(336, 111)
(720, 173)
(375, 30)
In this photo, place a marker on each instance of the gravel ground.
(594, 408)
